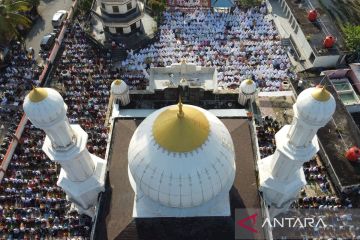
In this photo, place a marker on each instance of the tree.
(85, 6)
(352, 37)
(157, 6)
(33, 6)
(11, 18)
(249, 3)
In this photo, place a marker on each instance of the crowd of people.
(240, 45)
(18, 76)
(310, 198)
(265, 131)
(32, 206)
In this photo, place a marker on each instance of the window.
(133, 26)
(103, 6)
(312, 57)
(129, 6)
(106, 29)
(296, 29)
(119, 30)
(115, 9)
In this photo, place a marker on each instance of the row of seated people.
(241, 45)
(32, 206)
(17, 77)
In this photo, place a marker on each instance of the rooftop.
(116, 222)
(318, 30)
(337, 137)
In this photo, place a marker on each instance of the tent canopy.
(222, 3)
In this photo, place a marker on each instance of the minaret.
(120, 91)
(281, 174)
(82, 174)
(247, 90)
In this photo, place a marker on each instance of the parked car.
(47, 41)
(59, 18)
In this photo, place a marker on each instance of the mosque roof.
(182, 156)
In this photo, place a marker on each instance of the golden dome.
(320, 94)
(249, 81)
(181, 128)
(38, 94)
(117, 82)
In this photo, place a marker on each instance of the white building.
(281, 175)
(119, 17)
(181, 164)
(247, 91)
(82, 174)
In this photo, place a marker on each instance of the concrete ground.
(43, 25)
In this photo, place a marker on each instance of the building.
(307, 38)
(119, 18)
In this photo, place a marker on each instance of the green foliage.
(85, 6)
(11, 17)
(249, 3)
(352, 37)
(157, 6)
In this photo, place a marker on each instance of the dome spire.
(180, 114)
(37, 94)
(320, 93)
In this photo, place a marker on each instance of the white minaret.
(82, 174)
(281, 174)
(120, 91)
(247, 90)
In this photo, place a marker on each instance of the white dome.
(181, 158)
(44, 107)
(315, 105)
(119, 87)
(247, 87)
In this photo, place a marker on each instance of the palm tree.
(11, 18)
(33, 6)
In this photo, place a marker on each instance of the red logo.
(241, 223)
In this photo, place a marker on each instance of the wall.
(326, 61)
(354, 75)
(122, 7)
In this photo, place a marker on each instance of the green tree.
(11, 18)
(85, 6)
(157, 6)
(249, 3)
(33, 5)
(352, 37)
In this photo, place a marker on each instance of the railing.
(14, 142)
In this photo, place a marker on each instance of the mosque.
(179, 171)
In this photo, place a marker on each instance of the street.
(43, 25)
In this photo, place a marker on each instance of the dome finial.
(320, 93)
(37, 94)
(117, 82)
(180, 114)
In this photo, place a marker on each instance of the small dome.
(119, 87)
(181, 132)
(43, 106)
(247, 87)
(315, 105)
(181, 157)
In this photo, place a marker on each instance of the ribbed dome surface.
(43, 106)
(315, 105)
(248, 87)
(119, 87)
(182, 179)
